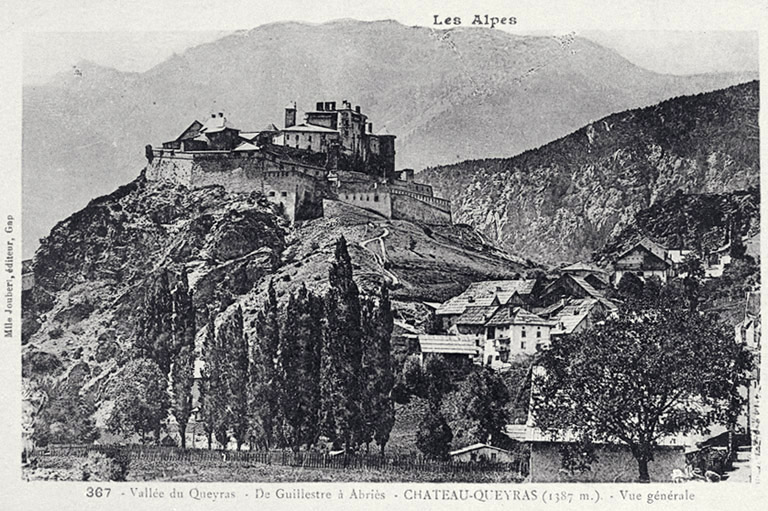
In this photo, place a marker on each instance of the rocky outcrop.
(561, 202)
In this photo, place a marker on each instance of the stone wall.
(614, 463)
(294, 185)
(429, 210)
(370, 196)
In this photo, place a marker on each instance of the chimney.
(370, 127)
(319, 106)
(357, 109)
(221, 114)
(213, 116)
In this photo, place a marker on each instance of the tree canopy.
(660, 368)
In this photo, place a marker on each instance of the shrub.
(104, 467)
(55, 332)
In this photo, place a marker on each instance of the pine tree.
(341, 411)
(264, 391)
(183, 365)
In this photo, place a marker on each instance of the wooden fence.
(284, 458)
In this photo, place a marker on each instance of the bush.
(55, 332)
(104, 467)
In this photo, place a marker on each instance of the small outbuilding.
(482, 453)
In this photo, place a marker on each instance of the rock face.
(561, 202)
(447, 95)
(93, 270)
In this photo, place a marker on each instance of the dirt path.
(381, 256)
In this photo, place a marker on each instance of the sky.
(134, 35)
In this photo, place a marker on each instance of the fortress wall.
(430, 210)
(412, 186)
(238, 174)
(372, 196)
(178, 170)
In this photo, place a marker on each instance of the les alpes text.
(478, 19)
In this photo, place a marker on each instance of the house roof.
(477, 315)
(447, 344)
(246, 146)
(516, 316)
(483, 293)
(475, 447)
(249, 135)
(586, 286)
(650, 246)
(310, 128)
(579, 266)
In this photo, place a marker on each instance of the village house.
(577, 314)
(483, 294)
(594, 276)
(514, 331)
(645, 259)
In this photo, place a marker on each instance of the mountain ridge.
(562, 201)
(448, 95)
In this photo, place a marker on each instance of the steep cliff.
(562, 201)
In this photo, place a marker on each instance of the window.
(375, 198)
(310, 139)
(493, 457)
(271, 194)
(522, 345)
(523, 333)
(538, 334)
(284, 194)
(473, 456)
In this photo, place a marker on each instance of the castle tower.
(290, 114)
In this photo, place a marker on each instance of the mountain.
(563, 201)
(448, 96)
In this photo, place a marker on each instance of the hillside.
(93, 270)
(563, 201)
(448, 96)
(701, 222)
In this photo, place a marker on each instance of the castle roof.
(312, 128)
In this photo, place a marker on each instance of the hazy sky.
(134, 35)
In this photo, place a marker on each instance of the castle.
(332, 155)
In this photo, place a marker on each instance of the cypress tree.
(232, 341)
(207, 391)
(341, 412)
(377, 376)
(154, 340)
(264, 391)
(183, 366)
(299, 366)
